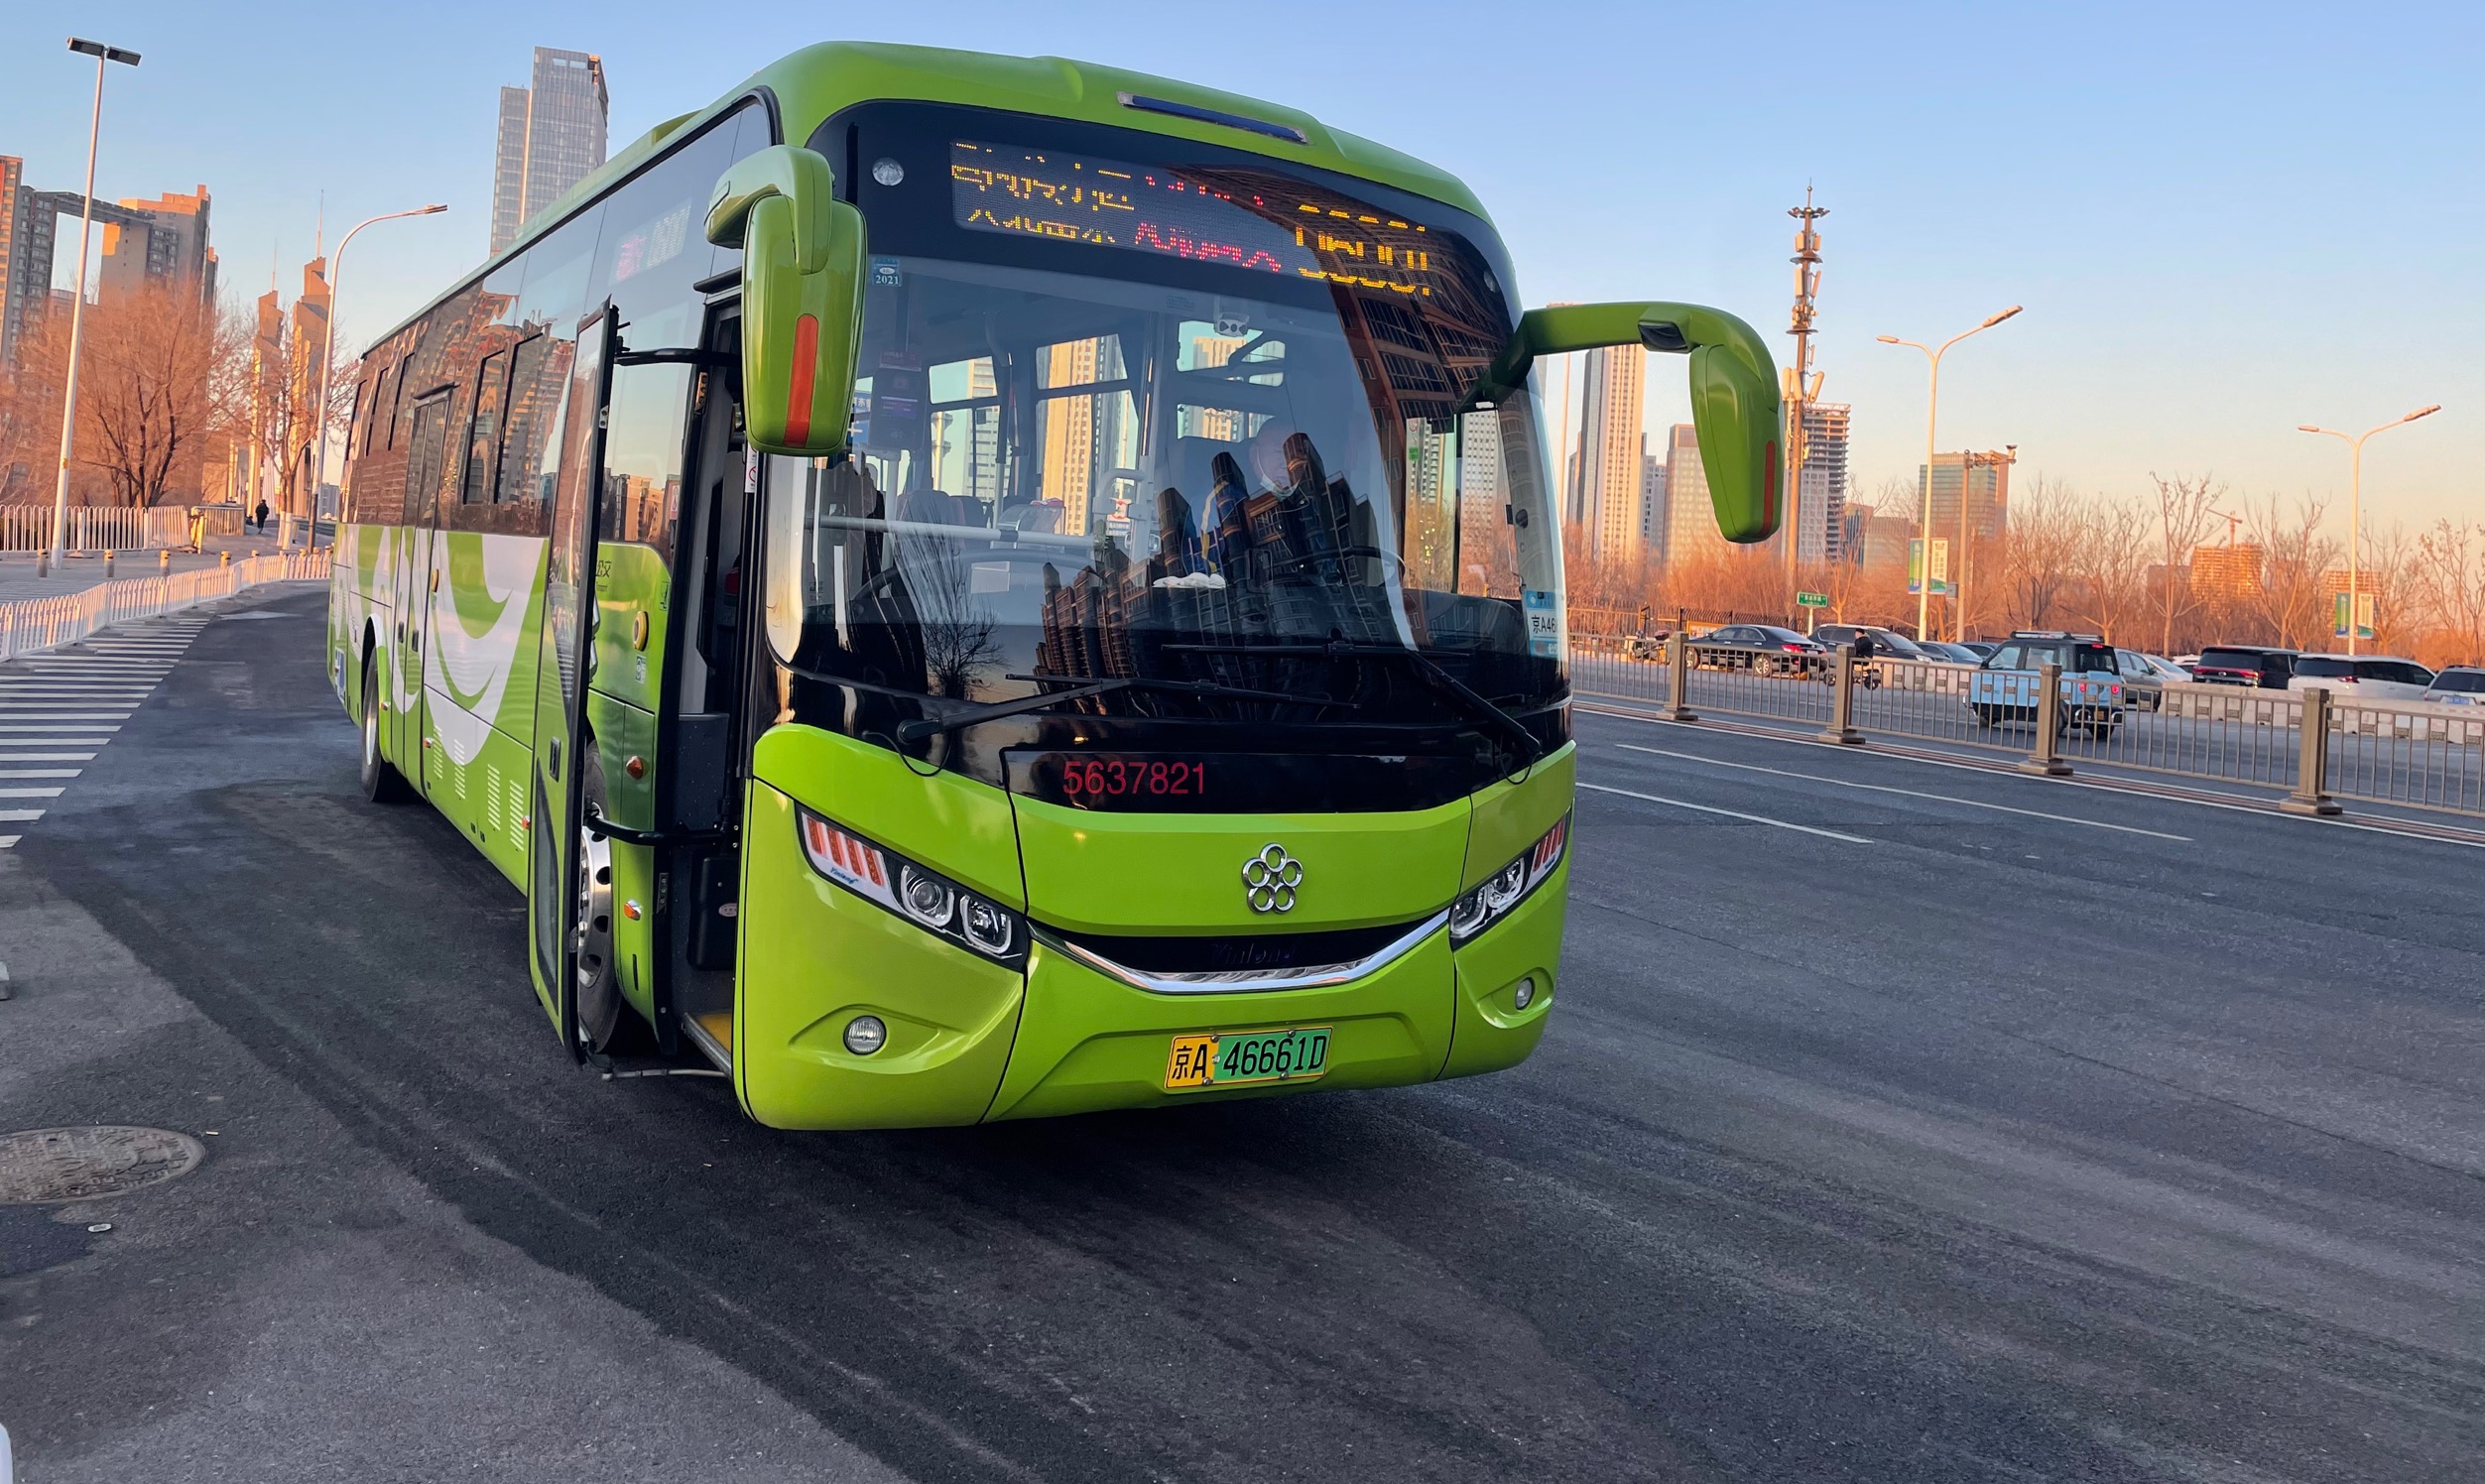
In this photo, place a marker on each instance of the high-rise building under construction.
(552, 135)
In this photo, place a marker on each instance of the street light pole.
(77, 304)
(1923, 513)
(328, 355)
(2355, 497)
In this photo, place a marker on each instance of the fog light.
(866, 1034)
(1525, 994)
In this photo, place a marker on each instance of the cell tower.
(1801, 382)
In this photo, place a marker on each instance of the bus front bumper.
(971, 1041)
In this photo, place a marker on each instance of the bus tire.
(381, 782)
(605, 1018)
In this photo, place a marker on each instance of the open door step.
(712, 1032)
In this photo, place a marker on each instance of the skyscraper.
(161, 242)
(1988, 492)
(1610, 444)
(1690, 524)
(1653, 510)
(14, 249)
(552, 135)
(164, 246)
(1820, 509)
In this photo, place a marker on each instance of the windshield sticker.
(886, 274)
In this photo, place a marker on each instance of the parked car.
(2146, 677)
(2245, 664)
(2362, 676)
(1763, 649)
(1949, 654)
(1886, 643)
(2458, 685)
(2005, 688)
(1982, 649)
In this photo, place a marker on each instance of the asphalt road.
(1878, 1136)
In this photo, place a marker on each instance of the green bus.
(967, 587)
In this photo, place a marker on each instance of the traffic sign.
(1812, 601)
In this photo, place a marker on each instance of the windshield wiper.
(932, 727)
(1493, 716)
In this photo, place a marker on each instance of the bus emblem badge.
(1269, 879)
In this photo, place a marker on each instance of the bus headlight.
(921, 896)
(1483, 905)
(927, 897)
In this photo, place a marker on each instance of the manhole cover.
(84, 1164)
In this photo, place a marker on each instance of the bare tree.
(2185, 506)
(2447, 572)
(2384, 571)
(158, 378)
(2295, 556)
(2112, 567)
(2040, 550)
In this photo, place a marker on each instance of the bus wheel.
(381, 783)
(591, 925)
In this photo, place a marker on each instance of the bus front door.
(555, 836)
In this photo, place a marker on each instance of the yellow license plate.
(1229, 1058)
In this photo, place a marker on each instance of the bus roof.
(819, 81)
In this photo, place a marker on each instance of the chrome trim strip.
(1248, 981)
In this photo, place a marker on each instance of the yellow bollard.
(163, 563)
(108, 563)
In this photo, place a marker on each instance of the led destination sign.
(1247, 219)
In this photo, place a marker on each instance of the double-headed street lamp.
(2355, 495)
(77, 304)
(328, 355)
(1932, 403)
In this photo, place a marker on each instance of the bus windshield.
(1104, 427)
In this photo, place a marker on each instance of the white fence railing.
(113, 527)
(46, 623)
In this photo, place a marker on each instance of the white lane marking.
(20, 816)
(41, 772)
(88, 729)
(48, 757)
(1977, 803)
(1731, 813)
(30, 793)
(8, 843)
(48, 713)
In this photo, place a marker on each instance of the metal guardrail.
(36, 623)
(2408, 754)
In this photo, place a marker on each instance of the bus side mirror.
(1734, 392)
(802, 296)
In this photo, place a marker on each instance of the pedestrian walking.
(263, 515)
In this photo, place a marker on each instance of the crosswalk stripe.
(59, 707)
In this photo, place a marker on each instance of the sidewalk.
(78, 574)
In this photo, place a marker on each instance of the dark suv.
(2245, 664)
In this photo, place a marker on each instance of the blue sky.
(2223, 219)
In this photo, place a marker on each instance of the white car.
(2362, 676)
(2458, 685)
